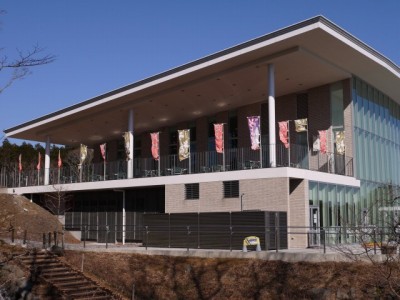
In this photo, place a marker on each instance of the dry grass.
(162, 277)
(21, 214)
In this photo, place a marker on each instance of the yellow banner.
(127, 138)
(301, 125)
(184, 144)
(83, 153)
(339, 138)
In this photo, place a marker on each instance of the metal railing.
(169, 165)
(231, 237)
(371, 239)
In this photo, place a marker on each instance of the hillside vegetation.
(19, 213)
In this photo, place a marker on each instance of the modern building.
(328, 173)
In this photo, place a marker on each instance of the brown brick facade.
(298, 213)
(259, 194)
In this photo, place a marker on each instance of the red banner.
(20, 163)
(155, 145)
(39, 161)
(219, 137)
(322, 140)
(103, 148)
(59, 163)
(284, 133)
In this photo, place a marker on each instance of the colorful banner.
(103, 149)
(339, 138)
(301, 125)
(284, 133)
(155, 145)
(127, 138)
(184, 144)
(82, 153)
(322, 141)
(39, 164)
(59, 162)
(254, 127)
(219, 137)
(20, 163)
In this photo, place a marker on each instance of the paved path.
(289, 255)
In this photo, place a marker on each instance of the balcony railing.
(169, 165)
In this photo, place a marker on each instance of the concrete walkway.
(289, 255)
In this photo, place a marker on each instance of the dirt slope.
(19, 213)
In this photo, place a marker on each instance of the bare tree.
(20, 64)
(378, 243)
(58, 202)
(77, 167)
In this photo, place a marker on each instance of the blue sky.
(102, 45)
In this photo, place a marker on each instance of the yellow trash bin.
(251, 241)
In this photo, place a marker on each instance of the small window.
(231, 189)
(192, 191)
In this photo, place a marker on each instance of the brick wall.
(261, 194)
(298, 213)
(319, 113)
(348, 117)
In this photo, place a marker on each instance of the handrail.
(200, 162)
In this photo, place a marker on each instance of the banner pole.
(308, 151)
(223, 146)
(288, 126)
(261, 164)
(190, 160)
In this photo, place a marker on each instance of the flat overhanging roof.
(308, 54)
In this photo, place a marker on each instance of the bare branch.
(21, 64)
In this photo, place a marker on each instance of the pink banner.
(103, 149)
(254, 127)
(284, 133)
(219, 137)
(59, 163)
(155, 145)
(39, 161)
(322, 140)
(20, 163)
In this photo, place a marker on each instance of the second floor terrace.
(169, 165)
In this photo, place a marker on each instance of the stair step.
(64, 279)
(69, 274)
(91, 293)
(54, 270)
(97, 298)
(46, 265)
(78, 282)
(74, 289)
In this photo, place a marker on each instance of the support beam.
(47, 162)
(123, 215)
(271, 115)
(131, 146)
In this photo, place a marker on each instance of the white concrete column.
(271, 115)
(123, 218)
(131, 146)
(47, 162)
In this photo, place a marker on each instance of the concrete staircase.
(71, 284)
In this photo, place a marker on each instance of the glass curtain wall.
(376, 124)
(377, 151)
